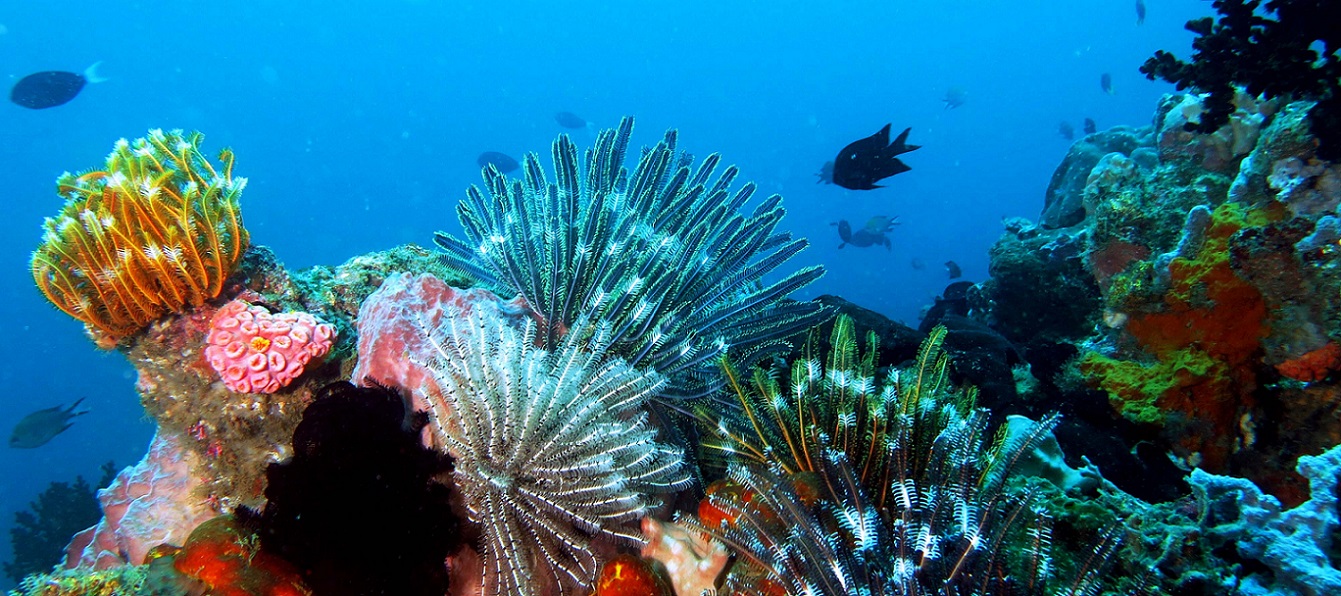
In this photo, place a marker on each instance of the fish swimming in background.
(52, 88)
(1067, 131)
(1090, 127)
(825, 175)
(917, 264)
(43, 425)
(1106, 83)
(571, 120)
(864, 162)
(872, 234)
(953, 269)
(1140, 12)
(503, 162)
(955, 97)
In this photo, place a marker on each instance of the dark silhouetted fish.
(570, 120)
(1090, 126)
(504, 163)
(1106, 83)
(955, 97)
(1067, 131)
(953, 301)
(864, 162)
(51, 88)
(825, 175)
(43, 425)
(953, 269)
(871, 235)
(1140, 12)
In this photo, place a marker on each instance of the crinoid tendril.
(661, 253)
(553, 451)
(863, 486)
(154, 233)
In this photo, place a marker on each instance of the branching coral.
(552, 453)
(661, 254)
(39, 537)
(1271, 57)
(849, 486)
(155, 232)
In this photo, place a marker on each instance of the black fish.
(570, 120)
(825, 175)
(864, 162)
(1140, 12)
(1090, 126)
(1106, 83)
(43, 425)
(1067, 131)
(51, 88)
(504, 163)
(953, 301)
(953, 269)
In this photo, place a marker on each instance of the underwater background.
(358, 125)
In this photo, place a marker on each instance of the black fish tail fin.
(71, 410)
(900, 144)
(91, 73)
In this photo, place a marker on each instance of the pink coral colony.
(256, 351)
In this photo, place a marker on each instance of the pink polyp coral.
(256, 351)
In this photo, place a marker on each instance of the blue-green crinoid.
(662, 254)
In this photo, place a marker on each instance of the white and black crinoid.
(553, 450)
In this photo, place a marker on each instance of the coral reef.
(552, 454)
(255, 351)
(126, 580)
(1273, 53)
(155, 501)
(39, 536)
(154, 233)
(662, 253)
(220, 558)
(841, 483)
(1296, 545)
(1198, 297)
(393, 349)
(392, 526)
(692, 559)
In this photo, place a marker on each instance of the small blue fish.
(52, 88)
(502, 161)
(1106, 83)
(43, 425)
(1140, 12)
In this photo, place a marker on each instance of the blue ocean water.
(358, 125)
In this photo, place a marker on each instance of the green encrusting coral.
(1136, 388)
(126, 580)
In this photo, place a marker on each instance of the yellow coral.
(126, 580)
(157, 231)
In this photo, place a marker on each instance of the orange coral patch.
(627, 575)
(1313, 366)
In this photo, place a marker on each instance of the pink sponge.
(255, 351)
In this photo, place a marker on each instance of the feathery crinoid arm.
(553, 450)
(862, 485)
(662, 253)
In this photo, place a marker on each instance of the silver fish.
(43, 425)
